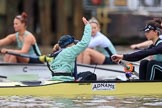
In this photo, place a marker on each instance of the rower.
(64, 62)
(148, 69)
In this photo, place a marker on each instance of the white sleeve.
(94, 42)
(160, 36)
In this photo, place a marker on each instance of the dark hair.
(158, 20)
(22, 17)
(155, 23)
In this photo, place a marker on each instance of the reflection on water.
(81, 102)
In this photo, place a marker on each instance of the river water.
(81, 102)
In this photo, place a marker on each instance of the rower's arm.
(136, 56)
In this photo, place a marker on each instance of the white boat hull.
(106, 71)
(41, 71)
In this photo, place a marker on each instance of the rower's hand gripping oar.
(21, 55)
(128, 68)
(42, 58)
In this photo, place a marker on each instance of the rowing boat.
(46, 87)
(86, 88)
(21, 72)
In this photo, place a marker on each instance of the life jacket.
(82, 76)
(158, 57)
(54, 54)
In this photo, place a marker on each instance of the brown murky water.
(81, 102)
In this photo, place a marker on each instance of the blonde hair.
(94, 20)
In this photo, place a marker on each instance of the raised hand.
(85, 20)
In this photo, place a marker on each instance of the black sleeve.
(136, 56)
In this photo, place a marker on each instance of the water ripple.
(81, 102)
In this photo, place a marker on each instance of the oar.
(100, 68)
(21, 55)
(29, 56)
